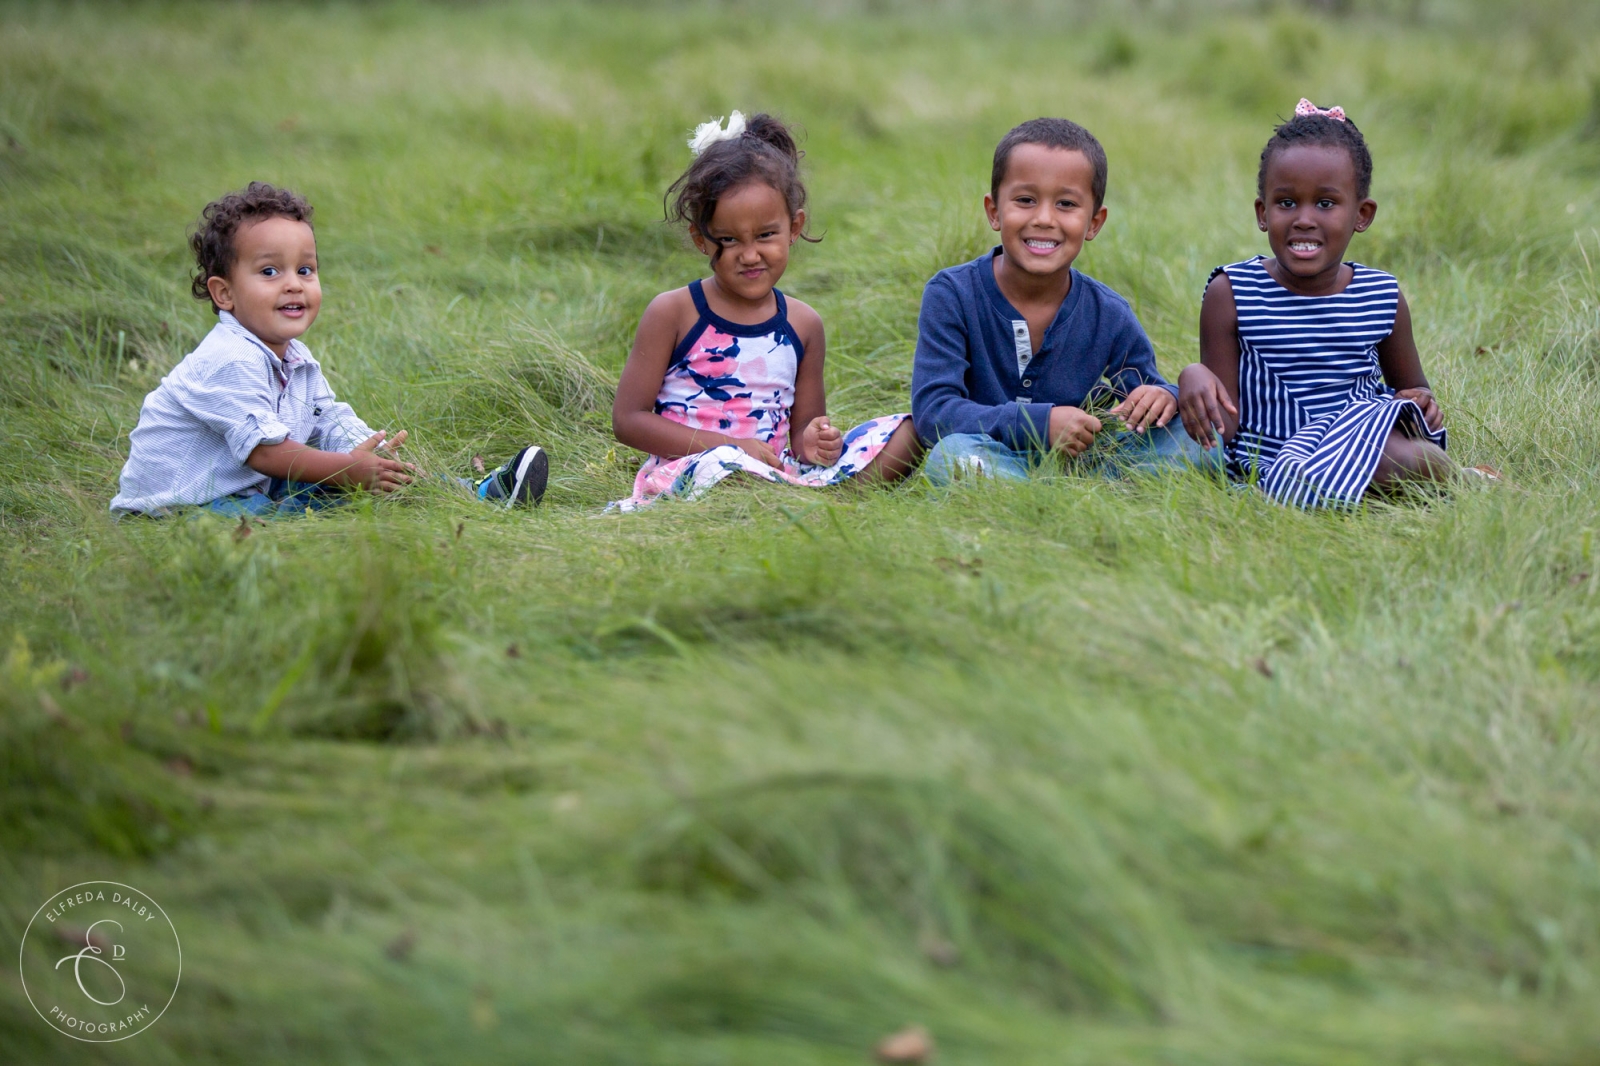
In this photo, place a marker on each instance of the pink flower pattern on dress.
(739, 381)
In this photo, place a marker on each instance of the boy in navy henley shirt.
(1013, 345)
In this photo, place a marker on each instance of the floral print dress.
(739, 380)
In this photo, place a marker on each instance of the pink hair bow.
(1306, 107)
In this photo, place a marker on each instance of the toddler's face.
(272, 288)
(1310, 209)
(752, 227)
(1045, 209)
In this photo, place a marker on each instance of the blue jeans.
(283, 499)
(1155, 451)
(288, 499)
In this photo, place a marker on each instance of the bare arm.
(363, 467)
(810, 394)
(1208, 391)
(1402, 366)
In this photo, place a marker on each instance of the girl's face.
(1310, 210)
(753, 229)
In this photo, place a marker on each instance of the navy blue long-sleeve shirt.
(975, 370)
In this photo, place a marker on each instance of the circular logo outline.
(22, 949)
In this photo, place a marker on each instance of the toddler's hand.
(1146, 406)
(371, 468)
(1072, 429)
(757, 449)
(1423, 398)
(821, 442)
(1201, 401)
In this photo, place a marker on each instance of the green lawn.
(1065, 771)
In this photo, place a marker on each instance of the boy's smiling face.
(1045, 208)
(272, 287)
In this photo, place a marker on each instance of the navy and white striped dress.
(1314, 411)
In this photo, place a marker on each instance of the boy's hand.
(1201, 401)
(757, 449)
(1072, 429)
(1146, 406)
(371, 468)
(821, 443)
(1423, 398)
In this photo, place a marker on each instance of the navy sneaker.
(519, 481)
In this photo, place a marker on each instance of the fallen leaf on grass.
(513, 652)
(1264, 669)
(937, 950)
(399, 949)
(1503, 609)
(911, 1044)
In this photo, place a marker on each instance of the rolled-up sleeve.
(941, 403)
(236, 401)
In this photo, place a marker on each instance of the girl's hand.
(820, 443)
(1146, 406)
(1201, 401)
(757, 449)
(1423, 398)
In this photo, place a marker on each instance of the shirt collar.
(293, 356)
(985, 266)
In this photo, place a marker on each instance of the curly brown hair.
(764, 152)
(212, 239)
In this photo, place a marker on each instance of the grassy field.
(1066, 771)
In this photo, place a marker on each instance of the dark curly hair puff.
(1323, 130)
(212, 239)
(764, 152)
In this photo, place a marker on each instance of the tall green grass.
(1067, 771)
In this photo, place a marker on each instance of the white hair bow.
(708, 133)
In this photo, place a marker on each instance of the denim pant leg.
(243, 505)
(298, 497)
(973, 454)
(1159, 450)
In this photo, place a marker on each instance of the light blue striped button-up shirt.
(202, 422)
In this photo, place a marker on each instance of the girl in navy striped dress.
(1308, 370)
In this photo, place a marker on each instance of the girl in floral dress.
(723, 370)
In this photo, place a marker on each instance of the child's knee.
(1410, 457)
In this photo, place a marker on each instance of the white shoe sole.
(533, 473)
